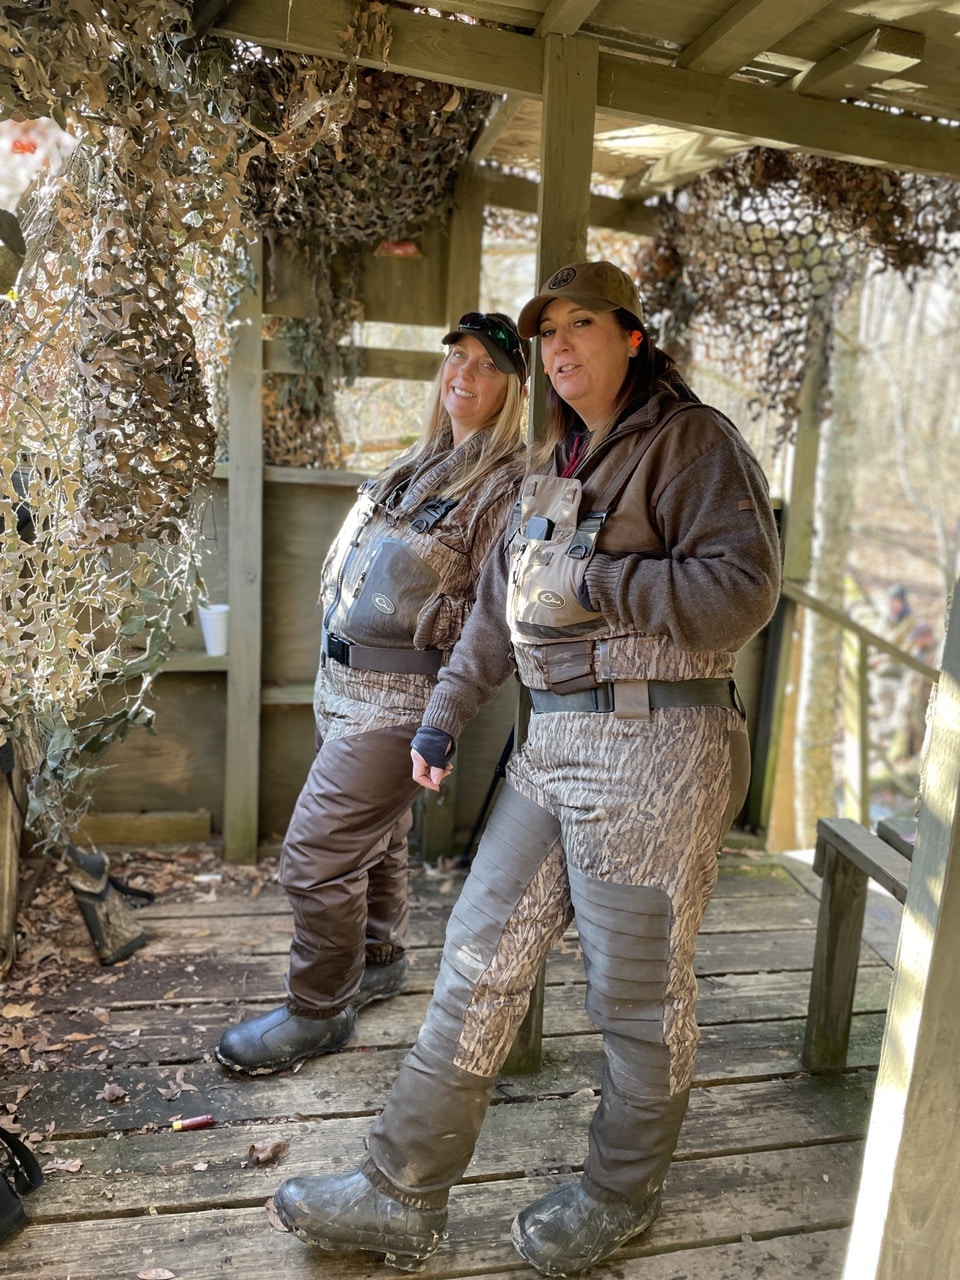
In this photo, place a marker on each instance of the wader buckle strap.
(407, 662)
(633, 697)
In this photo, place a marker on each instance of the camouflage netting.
(114, 336)
(757, 256)
(377, 162)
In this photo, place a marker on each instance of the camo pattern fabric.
(640, 803)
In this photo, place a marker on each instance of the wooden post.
(843, 900)
(906, 1219)
(436, 810)
(566, 151)
(11, 825)
(241, 787)
(466, 244)
(782, 635)
(856, 730)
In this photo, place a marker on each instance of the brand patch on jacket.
(551, 599)
(383, 603)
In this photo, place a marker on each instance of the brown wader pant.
(618, 822)
(344, 866)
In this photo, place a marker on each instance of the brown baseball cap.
(598, 286)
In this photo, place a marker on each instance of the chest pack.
(551, 544)
(377, 585)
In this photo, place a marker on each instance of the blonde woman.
(397, 587)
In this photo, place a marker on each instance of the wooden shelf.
(286, 695)
(194, 660)
(302, 475)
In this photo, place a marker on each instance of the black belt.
(407, 662)
(638, 698)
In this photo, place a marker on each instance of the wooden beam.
(882, 52)
(906, 1221)
(566, 159)
(12, 800)
(452, 52)
(465, 245)
(508, 63)
(510, 192)
(241, 786)
(565, 17)
(499, 121)
(690, 99)
(699, 155)
(415, 366)
(746, 29)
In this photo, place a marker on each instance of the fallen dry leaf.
(18, 1010)
(112, 1092)
(63, 1166)
(265, 1152)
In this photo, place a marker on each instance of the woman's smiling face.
(472, 388)
(586, 355)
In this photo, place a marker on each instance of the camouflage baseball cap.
(599, 286)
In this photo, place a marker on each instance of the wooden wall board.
(394, 290)
(180, 766)
(286, 754)
(299, 523)
(159, 827)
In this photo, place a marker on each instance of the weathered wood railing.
(848, 856)
(856, 695)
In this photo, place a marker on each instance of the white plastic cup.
(214, 619)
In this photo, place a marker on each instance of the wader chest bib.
(382, 583)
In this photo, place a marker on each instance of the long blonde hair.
(502, 441)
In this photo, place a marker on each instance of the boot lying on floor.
(568, 1230)
(346, 1211)
(106, 905)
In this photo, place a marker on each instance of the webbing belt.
(408, 662)
(639, 697)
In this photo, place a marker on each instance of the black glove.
(436, 746)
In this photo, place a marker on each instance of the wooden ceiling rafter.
(565, 17)
(879, 54)
(744, 31)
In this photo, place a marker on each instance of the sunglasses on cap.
(502, 335)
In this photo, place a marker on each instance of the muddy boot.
(381, 981)
(346, 1211)
(568, 1230)
(106, 905)
(280, 1038)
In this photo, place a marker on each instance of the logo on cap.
(561, 278)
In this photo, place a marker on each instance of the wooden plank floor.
(763, 1182)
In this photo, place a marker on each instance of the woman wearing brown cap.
(643, 554)
(396, 588)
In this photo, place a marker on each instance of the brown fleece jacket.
(687, 567)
